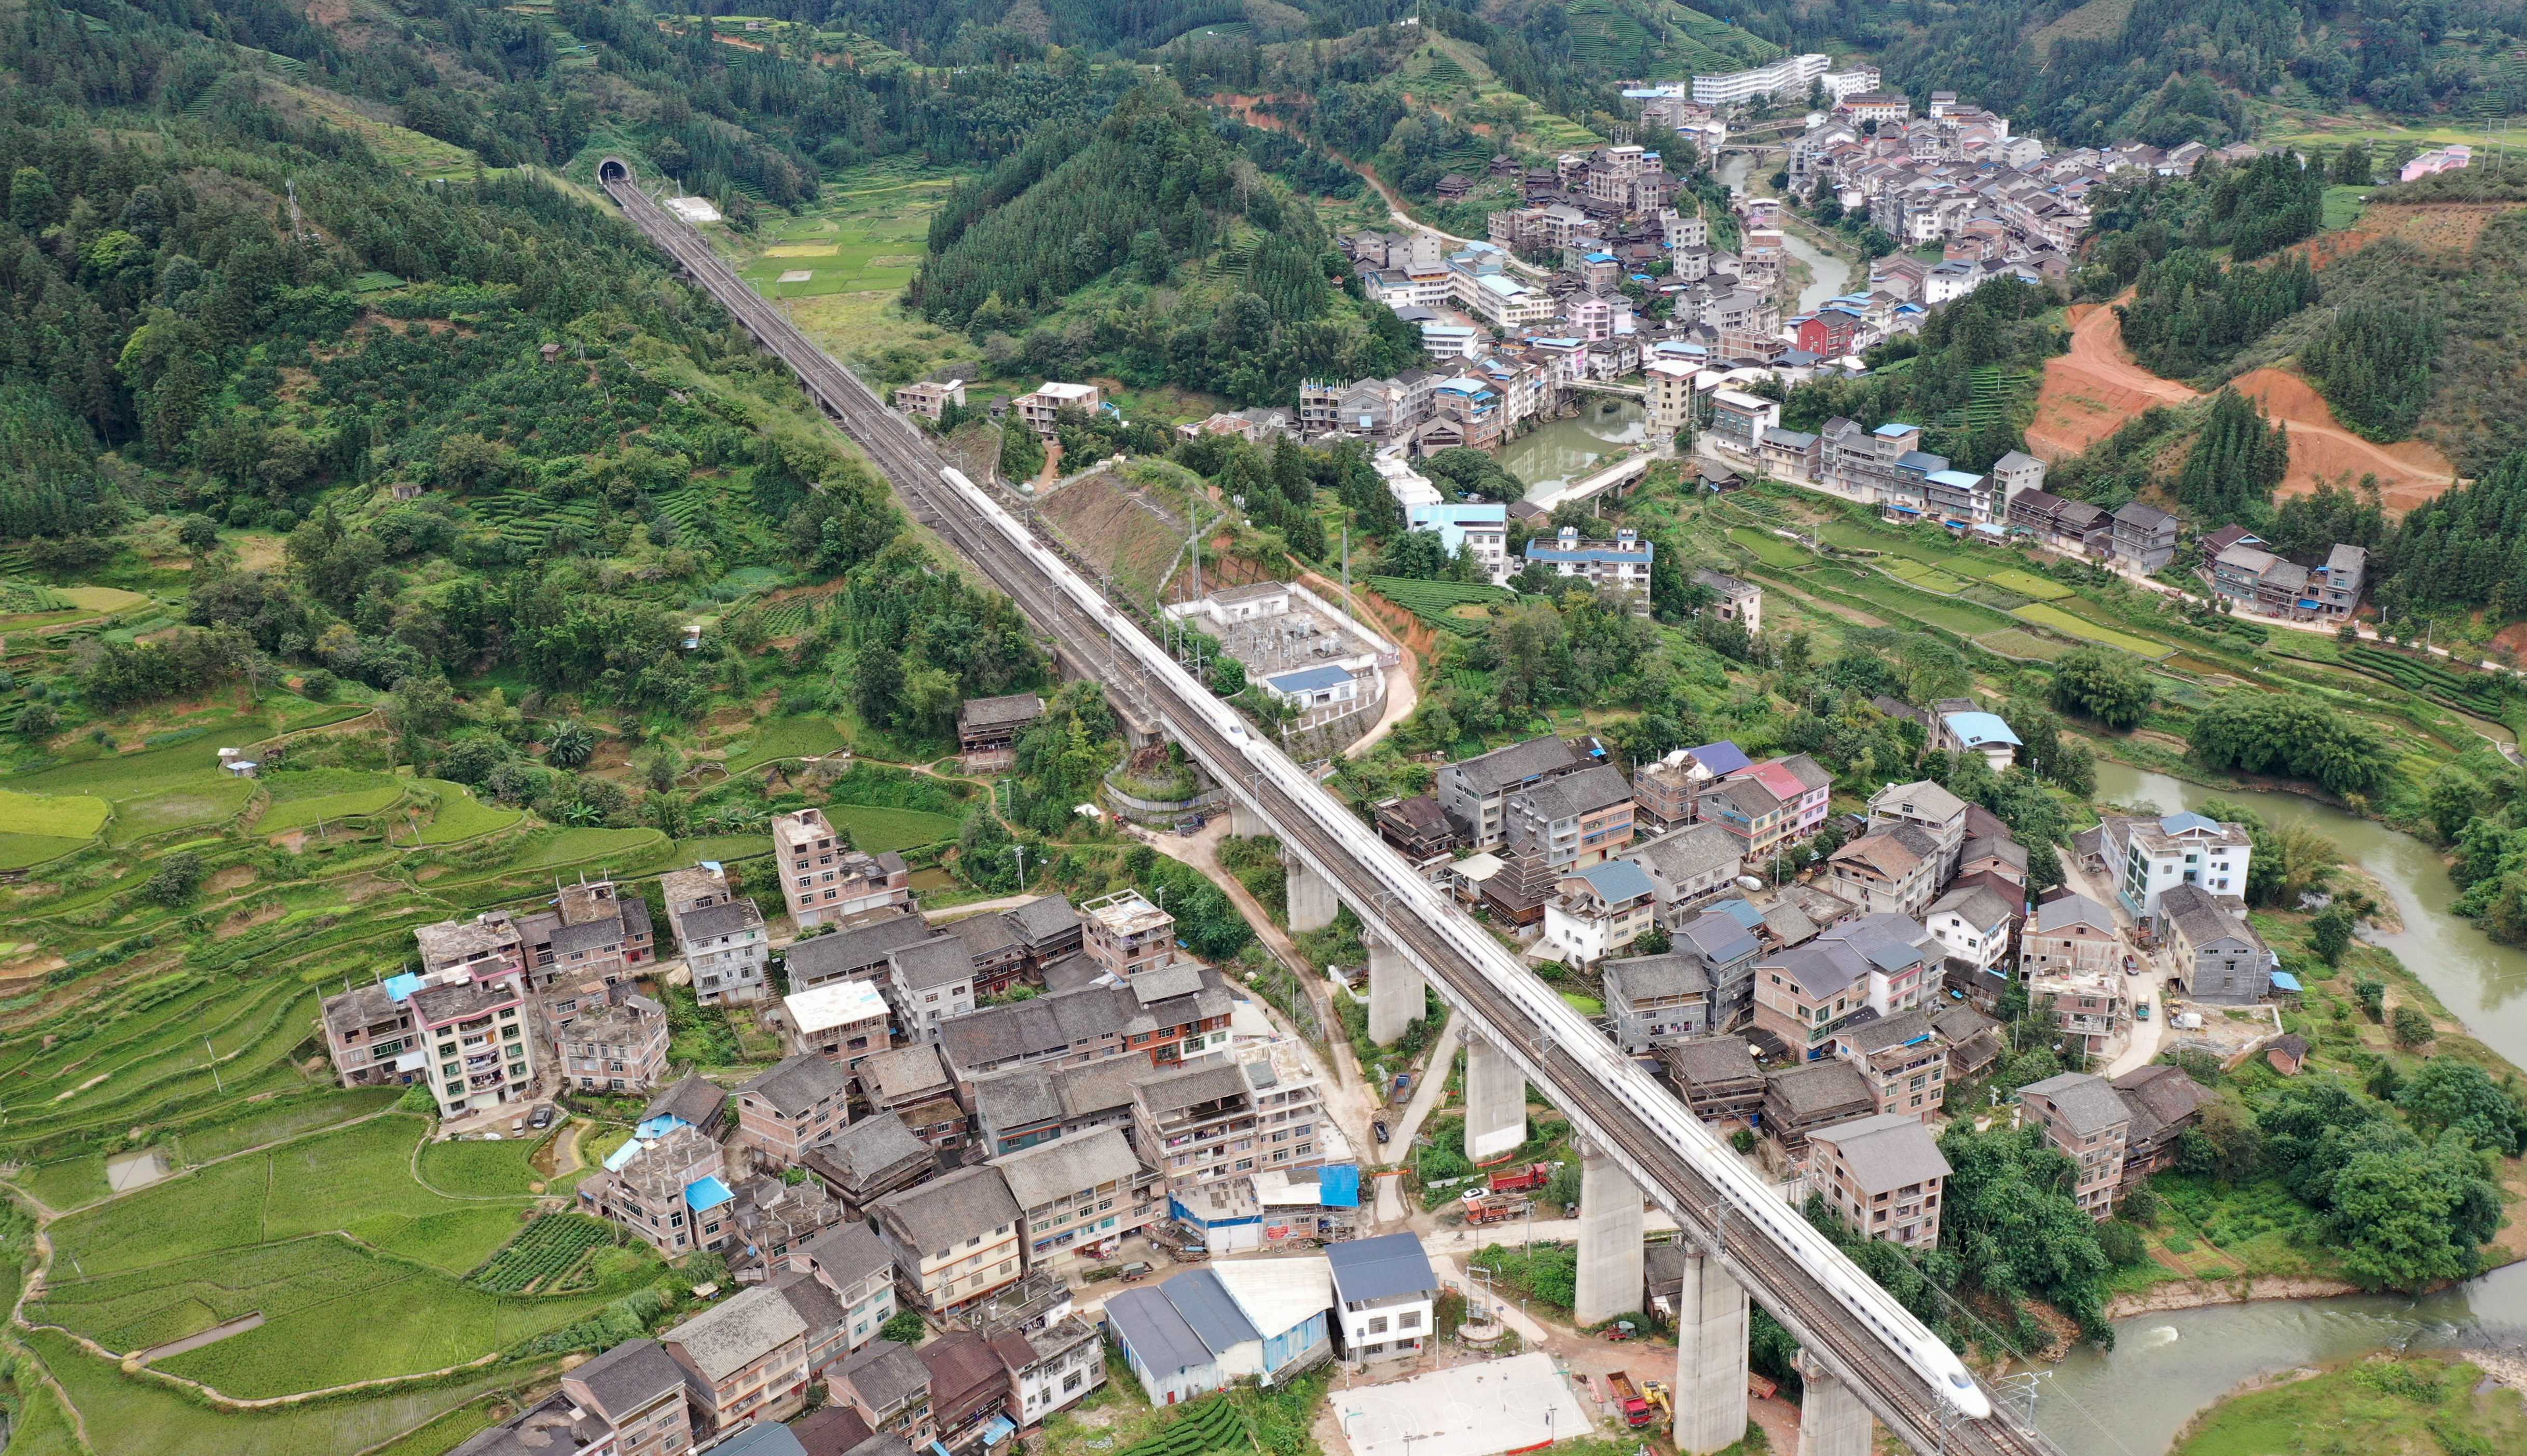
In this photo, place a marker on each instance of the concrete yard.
(1482, 1409)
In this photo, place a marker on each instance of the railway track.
(1896, 1393)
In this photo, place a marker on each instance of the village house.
(1655, 1001)
(875, 1155)
(2145, 857)
(889, 1388)
(2164, 1102)
(746, 1360)
(911, 1083)
(725, 946)
(1727, 939)
(1929, 808)
(1052, 1367)
(954, 1239)
(1417, 828)
(2071, 933)
(671, 1191)
(2062, 524)
(969, 1389)
(1733, 599)
(1475, 791)
(1718, 1076)
(858, 952)
(799, 1102)
(620, 1048)
(1904, 1058)
(1882, 1177)
(1664, 792)
(849, 1260)
(1081, 1196)
(590, 941)
(694, 1100)
(1161, 1018)
(1041, 409)
(988, 729)
(2219, 957)
(1689, 868)
(1217, 1119)
(827, 883)
(1572, 821)
(1805, 993)
(842, 1021)
(1126, 935)
(638, 1390)
(1621, 565)
(1975, 925)
(1802, 1099)
(2089, 1009)
(930, 398)
(931, 983)
(1974, 730)
(2145, 537)
(1893, 871)
(2087, 1123)
(1025, 1106)
(1598, 910)
(1386, 1295)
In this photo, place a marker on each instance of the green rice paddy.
(2054, 618)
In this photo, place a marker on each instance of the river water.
(1828, 274)
(2165, 1369)
(1558, 452)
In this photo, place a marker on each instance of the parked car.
(542, 1119)
(2140, 1011)
(1379, 1126)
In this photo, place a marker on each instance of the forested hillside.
(1218, 279)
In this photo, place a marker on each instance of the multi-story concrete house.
(672, 1193)
(799, 1102)
(911, 1083)
(852, 1261)
(2146, 858)
(1724, 938)
(1883, 1175)
(889, 1388)
(2066, 524)
(1386, 1294)
(875, 1155)
(1159, 1016)
(827, 883)
(1800, 1099)
(1664, 792)
(1739, 419)
(1802, 786)
(1572, 821)
(1200, 1124)
(1052, 1367)
(1126, 934)
(369, 1037)
(1974, 926)
(1885, 466)
(2145, 537)
(1687, 868)
(620, 1048)
(1025, 1106)
(638, 1390)
(2087, 1008)
(1081, 1196)
(1733, 599)
(1805, 993)
(1620, 565)
(1656, 1001)
(2219, 957)
(1716, 1077)
(858, 953)
(2088, 1124)
(2071, 933)
(591, 939)
(1904, 1058)
(2338, 584)
(1475, 791)
(1893, 871)
(843, 1022)
(1041, 409)
(1929, 808)
(473, 1030)
(722, 934)
(931, 982)
(1599, 910)
(969, 1389)
(1757, 820)
(954, 1239)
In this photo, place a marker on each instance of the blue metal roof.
(1148, 1325)
(658, 1126)
(1893, 429)
(1619, 880)
(1921, 460)
(401, 984)
(1976, 729)
(704, 1194)
(1721, 759)
(1963, 480)
(1380, 1267)
(2185, 820)
(1338, 1185)
(1738, 908)
(1309, 680)
(2282, 980)
(1536, 552)
(1208, 1310)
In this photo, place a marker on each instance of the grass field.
(299, 814)
(2390, 1406)
(785, 737)
(462, 817)
(1769, 549)
(2028, 584)
(2010, 641)
(274, 1232)
(2061, 621)
(19, 850)
(73, 817)
(1928, 578)
(875, 830)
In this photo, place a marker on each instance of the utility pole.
(1020, 852)
(216, 1083)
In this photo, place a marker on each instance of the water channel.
(2166, 1367)
(1828, 274)
(1559, 451)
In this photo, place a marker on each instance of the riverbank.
(2196, 1295)
(2387, 1404)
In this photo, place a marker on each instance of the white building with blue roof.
(1481, 524)
(1621, 565)
(2149, 856)
(1599, 910)
(1386, 1295)
(1978, 732)
(1317, 692)
(1207, 1328)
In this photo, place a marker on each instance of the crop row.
(1212, 1424)
(2467, 693)
(548, 1249)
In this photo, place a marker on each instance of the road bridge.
(1869, 1358)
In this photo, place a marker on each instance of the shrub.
(906, 1329)
(2412, 1027)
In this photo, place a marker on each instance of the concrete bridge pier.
(1710, 1358)
(1312, 901)
(1495, 1102)
(1831, 1420)
(1610, 1272)
(1394, 996)
(1244, 821)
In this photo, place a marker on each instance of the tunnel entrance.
(613, 170)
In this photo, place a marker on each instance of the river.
(1828, 274)
(1558, 452)
(2167, 1367)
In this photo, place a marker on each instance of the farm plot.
(799, 736)
(461, 817)
(1928, 578)
(1769, 549)
(350, 804)
(2013, 642)
(875, 828)
(2473, 693)
(2044, 614)
(478, 1168)
(2028, 584)
(1436, 603)
(545, 1258)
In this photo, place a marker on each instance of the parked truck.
(1494, 1208)
(1521, 1179)
(1629, 1400)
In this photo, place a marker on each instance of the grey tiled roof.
(868, 1148)
(2074, 909)
(1707, 1060)
(1043, 917)
(933, 964)
(724, 1340)
(1690, 852)
(799, 1083)
(1814, 1086)
(1885, 1152)
(1887, 1031)
(628, 1376)
(887, 1374)
(728, 918)
(820, 957)
(695, 1097)
(968, 1202)
(2088, 1104)
(1573, 795)
(1050, 1171)
(1642, 976)
(1490, 772)
(904, 1072)
(2201, 918)
(847, 1251)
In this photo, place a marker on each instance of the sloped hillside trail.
(2096, 388)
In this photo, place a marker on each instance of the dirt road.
(2096, 388)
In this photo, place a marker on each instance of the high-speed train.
(1749, 1200)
